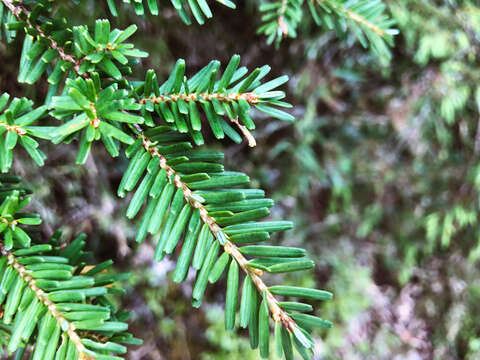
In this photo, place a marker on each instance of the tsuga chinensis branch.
(50, 47)
(49, 297)
(231, 96)
(37, 24)
(280, 19)
(188, 195)
(367, 20)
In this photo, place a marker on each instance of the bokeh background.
(380, 172)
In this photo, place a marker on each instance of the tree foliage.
(180, 192)
(185, 8)
(367, 20)
(51, 297)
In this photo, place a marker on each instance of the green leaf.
(219, 268)
(111, 131)
(271, 111)
(246, 301)
(202, 278)
(264, 329)
(311, 321)
(123, 117)
(231, 300)
(300, 292)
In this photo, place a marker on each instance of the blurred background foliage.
(380, 173)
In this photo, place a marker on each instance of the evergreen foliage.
(365, 19)
(16, 126)
(391, 157)
(381, 166)
(198, 8)
(49, 295)
(179, 192)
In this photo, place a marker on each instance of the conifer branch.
(277, 313)
(180, 100)
(355, 16)
(47, 287)
(187, 192)
(280, 19)
(366, 19)
(42, 297)
(41, 291)
(250, 97)
(17, 10)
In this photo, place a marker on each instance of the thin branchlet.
(278, 314)
(281, 18)
(50, 305)
(357, 18)
(15, 128)
(249, 97)
(17, 10)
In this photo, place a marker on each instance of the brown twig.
(281, 20)
(249, 97)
